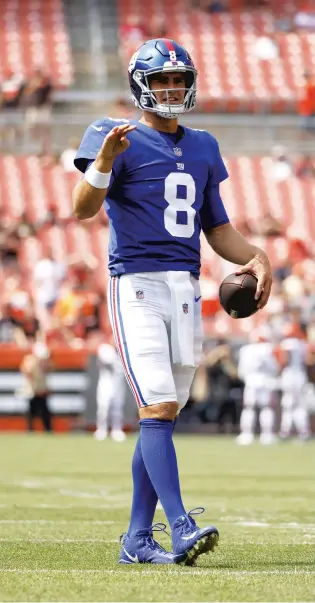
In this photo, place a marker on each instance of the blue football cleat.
(189, 541)
(142, 548)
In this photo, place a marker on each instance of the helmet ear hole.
(189, 79)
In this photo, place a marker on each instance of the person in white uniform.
(110, 395)
(258, 368)
(293, 384)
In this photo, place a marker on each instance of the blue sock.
(144, 499)
(159, 457)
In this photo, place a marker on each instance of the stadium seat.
(33, 34)
(222, 47)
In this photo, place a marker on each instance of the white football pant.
(153, 321)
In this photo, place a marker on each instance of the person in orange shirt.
(306, 107)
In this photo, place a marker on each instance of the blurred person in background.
(9, 243)
(48, 276)
(16, 296)
(122, 108)
(292, 355)
(67, 156)
(218, 380)
(76, 312)
(133, 31)
(27, 328)
(35, 367)
(212, 6)
(266, 47)
(258, 368)
(36, 98)
(11, 88)
(269, 226)
(110, 396)
(306, 167)
(306, 105)
(304, 18)
(24, 226)
(281, 167)
(158, 27)
(7, 325)
(81, 267)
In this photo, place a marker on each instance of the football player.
(293, 383)
(110, 394)
(159, 183)
(259, 370)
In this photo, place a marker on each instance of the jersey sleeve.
(212, 213)
(91, 143)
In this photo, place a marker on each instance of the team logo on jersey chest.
(178, 152)
(139, 294)
(185, 308)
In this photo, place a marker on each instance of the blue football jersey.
(160, 196)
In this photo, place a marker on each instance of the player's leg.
(266, 416)
(116, 406)
(31, 412)
(300, 413)
(45, 413)
(102, 401)
(302, 422)
(187, 537)
(248, 416)
(287, 404)
(140, 335)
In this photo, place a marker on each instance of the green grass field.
(64, 501)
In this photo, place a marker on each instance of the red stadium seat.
(33, 33)
(222, 47)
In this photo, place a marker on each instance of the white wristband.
(96, 178)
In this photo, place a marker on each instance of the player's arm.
(223, 238)
(230, 244)
(89, 193)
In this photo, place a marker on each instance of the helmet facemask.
(148, 101)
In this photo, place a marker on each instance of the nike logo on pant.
(197, 298)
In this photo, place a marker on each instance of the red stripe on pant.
(119, 341)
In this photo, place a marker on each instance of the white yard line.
(58, 521)
(61, 540)
(200, 572)
(293, 525)
(67, 506)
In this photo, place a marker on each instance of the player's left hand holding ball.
(260, 267)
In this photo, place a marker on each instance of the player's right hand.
(116, 142)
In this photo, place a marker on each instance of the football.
(237, 295)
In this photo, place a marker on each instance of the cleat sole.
(206, 544)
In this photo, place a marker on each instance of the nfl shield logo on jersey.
(185, 308)
(178, 152)
(139, 295)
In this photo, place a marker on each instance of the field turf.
(64, 501)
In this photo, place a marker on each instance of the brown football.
(237, 295)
